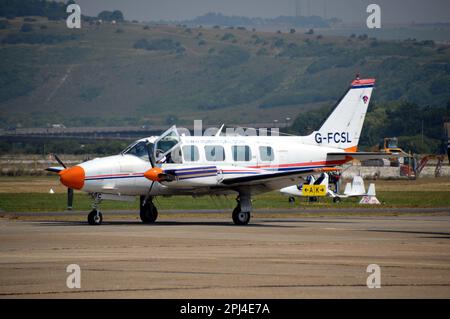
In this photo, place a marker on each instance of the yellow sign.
(314, 190)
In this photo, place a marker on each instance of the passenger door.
(165, 144)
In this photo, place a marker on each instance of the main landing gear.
(242, 213)
(148, 211)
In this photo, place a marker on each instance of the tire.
(148, 214)
(291, 200)
(336, 200)
(95, 218)
(240, 218)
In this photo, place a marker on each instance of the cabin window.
(266, 153)
(241, 153)
(190, 153)
(214, 153)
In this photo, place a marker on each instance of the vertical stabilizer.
(342, 128)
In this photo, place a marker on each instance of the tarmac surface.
(196, 257)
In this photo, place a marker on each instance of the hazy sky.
(351, 11)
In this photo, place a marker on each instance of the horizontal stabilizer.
(361, 156)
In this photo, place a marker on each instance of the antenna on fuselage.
(219, 131)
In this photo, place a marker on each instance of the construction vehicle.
(390, 145)
(387, 145)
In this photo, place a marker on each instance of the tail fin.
(342, 128)
(371, 191)
(358, 186)
(348, 189)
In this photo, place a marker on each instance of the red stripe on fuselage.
(337, 162)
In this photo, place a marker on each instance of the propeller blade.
(150, 154)
(59, 161)
(148, 194)
(54, 169)
(69, 198)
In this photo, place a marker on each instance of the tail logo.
(365, 99)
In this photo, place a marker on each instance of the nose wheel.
(95, 217)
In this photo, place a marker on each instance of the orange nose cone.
(153, 174)
(72, 177)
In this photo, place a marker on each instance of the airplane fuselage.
(206, 161)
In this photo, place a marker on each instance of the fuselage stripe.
(212, 171)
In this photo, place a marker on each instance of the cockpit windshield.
(139, 149)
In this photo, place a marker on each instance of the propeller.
(69, 190)
(155, 173)
(59, 161)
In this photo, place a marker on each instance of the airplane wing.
(267, 182)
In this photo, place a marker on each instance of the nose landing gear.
(95, 217)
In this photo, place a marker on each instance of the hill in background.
(136, 74)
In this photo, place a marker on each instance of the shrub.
(227, 36)
(115, 15)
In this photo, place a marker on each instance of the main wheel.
(336, 199)
(239, 217)
(148, 214)
(95, 217)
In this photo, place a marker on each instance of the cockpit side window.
(140, 150)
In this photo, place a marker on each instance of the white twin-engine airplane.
(214, 165)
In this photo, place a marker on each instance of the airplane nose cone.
(72, 177)
(153, 174)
